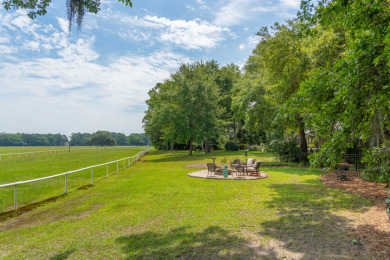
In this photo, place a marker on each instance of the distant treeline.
(79, 139)
(32, 139)
(120, 139)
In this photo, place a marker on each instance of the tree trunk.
(172, 144)
(191, 147)
(302, 136)
(234, 132)
(206, 146)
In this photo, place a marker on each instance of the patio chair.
(211, 167)
(251, 161)
(255, 169)
(235, 163)
(240, 169)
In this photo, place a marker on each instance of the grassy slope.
(153, 210)
(20, 169)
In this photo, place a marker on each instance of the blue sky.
(55, 82)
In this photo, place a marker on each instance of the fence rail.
(129, 160)
(25, 154)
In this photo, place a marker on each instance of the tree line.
(324, 74)
(105, 138)
(194, 107)
(76, 139)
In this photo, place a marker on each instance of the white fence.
(33, 153)
(129, 160)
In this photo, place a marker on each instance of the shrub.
(288, 151)
(378, 164)
(259, 148)
(252, 148)
(231, 146)
(242, 146)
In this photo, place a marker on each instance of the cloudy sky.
(55, 82)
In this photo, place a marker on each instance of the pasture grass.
(16, 152)
(23, 169)
(154, 211)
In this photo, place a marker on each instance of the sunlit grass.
(154, 211)
(45, 165)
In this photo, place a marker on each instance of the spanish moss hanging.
(75, 10)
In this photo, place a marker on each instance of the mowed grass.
(23, 149)
(22, 169)
(16, 152)
(154, 211)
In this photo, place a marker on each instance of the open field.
(45, 165)
(154, 211)
(16, 152)
(25, 149)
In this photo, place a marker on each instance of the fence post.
(129, 161)
(91, 175)
(16, 197)
(124, 164)
(66, 183)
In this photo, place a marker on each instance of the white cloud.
(233, 13)
(190, 35)
(83, 93)
(70, 89)
(237, 11)
(195, 34)
(7, 49)
(291, 3)
(251, 42)
(203, 5)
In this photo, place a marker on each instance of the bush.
(378, 164)
(288, 151)
(242, 146)
(259, 148)
(252, 148)
(231, 146)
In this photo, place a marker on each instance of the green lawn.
(154, 211)
(24, 149)
(15, 152)
(22, 169)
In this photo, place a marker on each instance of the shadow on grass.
(301, 171)
(63, 255)
(316, 222)
(212, 243)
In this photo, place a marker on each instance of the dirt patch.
(373, 226)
